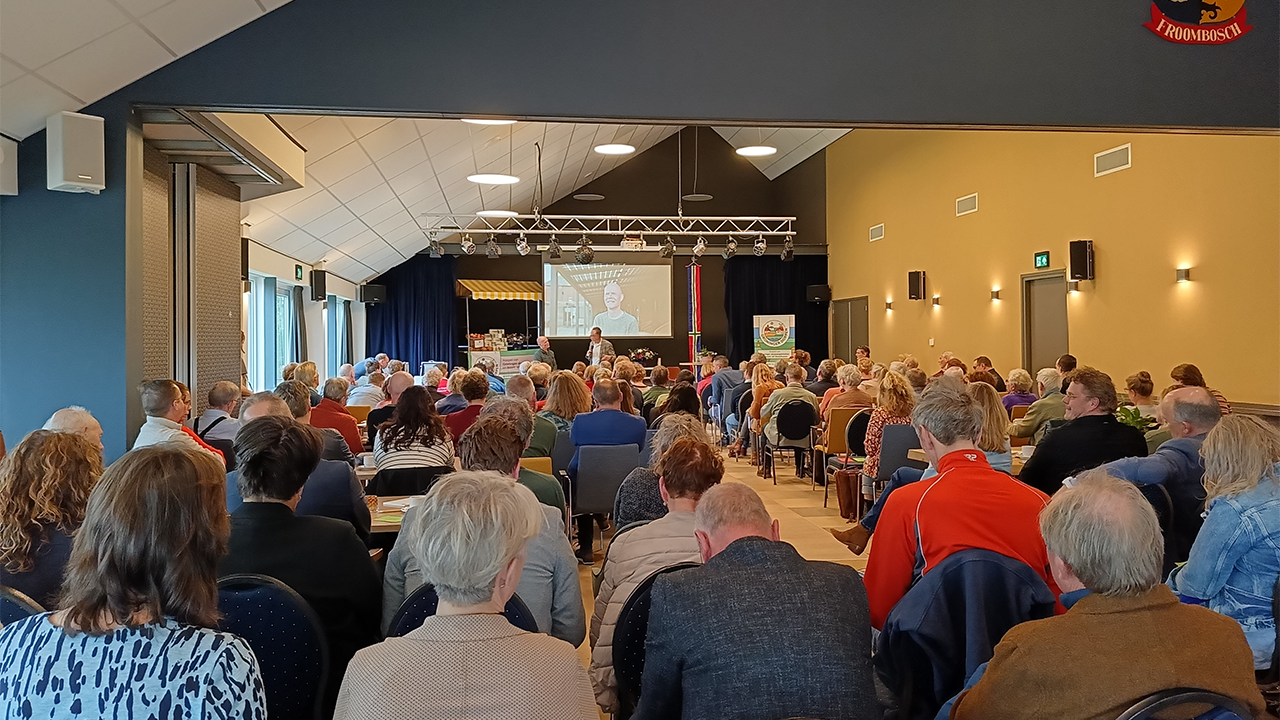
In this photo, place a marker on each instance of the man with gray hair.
(517, 412)
(372, 364)
(1048, 408)
(1124, 636)
(78, 421)
(167, 404)
(725, 638)
(347, 372)
(216, 422)
(544, 431)
(298, 397)
(967, 505)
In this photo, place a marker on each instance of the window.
(284, 330)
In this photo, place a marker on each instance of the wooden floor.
(802, 520)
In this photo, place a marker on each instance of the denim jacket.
(1235, 561)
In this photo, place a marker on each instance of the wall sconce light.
(995, 294)
(1184, 275)
(937, 300)
(888, 305)
(1073, 286)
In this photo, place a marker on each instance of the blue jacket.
(1176, 465)
(605, 427)
(331, 491)
(721, 383)
(1234, 563)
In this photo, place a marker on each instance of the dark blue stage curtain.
(415, 324)
(768, 286)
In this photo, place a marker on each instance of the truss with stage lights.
(634, 226)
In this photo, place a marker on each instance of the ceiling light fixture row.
(620, 225)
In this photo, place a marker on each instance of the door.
(849, 326)
(1044, 319)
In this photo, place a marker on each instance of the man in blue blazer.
(757, 632)
(608, 425)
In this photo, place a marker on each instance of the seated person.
(917, 379)
(332, 490)
(1124, 635)
(982, 364)
(549, 583)
(414, 437)
(803, 359)
(794, 390)
(543, 440)
(44, 486)
(453, 402)
(826, 378)
(1191, 413)
(567, 397)
(469, 537)
(475, 388)
(1091, 436)
(656, 394)
(134, 629)
(309, 375)
(847, 396)
(77, 420)
(1233, 564)
(682, 400)
(331, 413)
(298, 397)
(724, 379)
(725, 638)
(1139, 387)
(1019, 390)
(431, 382)
(893, 407)
(686, 470)
(1188, 375)
(687, 376)
(638, 496)
(322, 559)
(967, 505)
(368, 394)
(540, 375)
(732, 422)
(1048, 408)
(546, 488)
(167, 403)
(1065, 364)
(496, 384)
(607, 425)
(216, 423)
(396, 383)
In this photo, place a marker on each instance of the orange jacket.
(329, 414)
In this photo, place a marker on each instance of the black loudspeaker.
(373, 293)
(1081, 259)
(818, 293)
(317, 285)
(915, 285)
(244, 258)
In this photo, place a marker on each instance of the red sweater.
(966, 506)
(329, 414)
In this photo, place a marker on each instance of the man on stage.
(614, 320)
(600, 349)
(544, 353)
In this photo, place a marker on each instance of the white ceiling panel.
(361, 126)
(27, 101)
(329, 222)
(113, 60)
(795, 145)
(138, 8)
(366, 203)
(184, 25)
(357, 184)
(9, 71)
(33, 33)
(391, 137)
(340, 164)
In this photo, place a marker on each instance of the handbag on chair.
(847, 484)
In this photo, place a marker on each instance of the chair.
(836, 443)
(285, 635)
(1017, 412)
(628, 640)
(646, 452)
(405, 481)
(597, 575)
(793, 422)
(227, 449)
(1162, 502)
(421, 604)
(562, 452)
(537, 464)
(359, 412)
(1153, 705)
(895, 442)
(601, 470)
(855, 443)
(15, 605)
(743, 410)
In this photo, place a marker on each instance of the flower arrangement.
(706, 354)
(642, 355)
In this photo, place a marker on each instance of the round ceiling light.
(696, 197)
(498, 213)
(588, 197)
(488, 121)
(493, 179)
(615, 149)
(756, 150)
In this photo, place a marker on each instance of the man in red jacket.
(966, 506)
(332, 413)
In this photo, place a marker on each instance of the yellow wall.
(1210, 202)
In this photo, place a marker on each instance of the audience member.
(286, 372)
(579, 368)
(415, 436)
(517, 413)
(917, 379)
(332, 414)
(724, 380)
(320, 558)
(431, 381)
(955, 372)
(307, 374)
(757, 632)
(708, 370)
(866, 377)
(1091, 436)
(1020, 386)
(982, 363)
(296, 395)
(734, 422)
(1139, 388)
(395, 384)
(216, 422)
(682, 400)
(826, 378)
(632, 398)
(944, 361)
(607, 425)
(379, 362)
(490, 369)
(347, 372)
(75, 420)
(1233, 564)
(1187, 374)
(540, 375)
(893, 407)
(794, 390)
(638, 497)
(862, 351)
(1048, 408)
(544, 431)
(589, 375)
(687, 469)
(134, 634)
(469, 538)
(396, 366)
(660, 388)
(911, 362)
(1124, 635)
(804, 360)
(567, 397)
(966, 505)
(847, 396)
(1065, 364)
(167, 404)
(44, 487)
(475, 388)
(453, 402)
(332, 490)
(368, 394)
(762, 387)
(686, 376)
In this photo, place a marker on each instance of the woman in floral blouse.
(894, 403)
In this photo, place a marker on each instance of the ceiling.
(60, 55)
(795, 145)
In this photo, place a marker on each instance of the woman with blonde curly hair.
(44, 488)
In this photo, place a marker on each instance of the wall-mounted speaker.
(915, 285)
(373, 293)
(317, 285)
(244, 258)
(1081, 259)
(818, 293)
(74, 153)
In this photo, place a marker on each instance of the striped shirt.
(435, 454)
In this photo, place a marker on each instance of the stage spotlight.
(468, 245)
(699, 247)
(730, 249)
(491, 248)
(759, 247)
(668, 248)
(553, 248)
(585, 253)
(522, 245)
(433, 245)
(788, 250)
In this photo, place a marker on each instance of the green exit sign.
(1042, 259)
(297, 269)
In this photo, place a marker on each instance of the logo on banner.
(1198, 22)
(775, 333)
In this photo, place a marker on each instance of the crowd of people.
(129, 555)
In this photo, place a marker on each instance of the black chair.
(562, 452)
(744, 406)
(1152, 705)
(794, 420)
(1162, 502)
(896, 441)
(406, 481)
(15, 605)
(227, 449)
(422, 604)
(285, 635)
(601, 470)
(628, 640)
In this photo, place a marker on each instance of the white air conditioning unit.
(74, 152)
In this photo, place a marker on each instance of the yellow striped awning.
(500, 289)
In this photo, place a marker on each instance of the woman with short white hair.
(467, 661)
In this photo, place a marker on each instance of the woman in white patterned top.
(415, 436)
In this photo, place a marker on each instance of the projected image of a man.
(614, 321)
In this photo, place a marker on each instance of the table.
(918, 455)
(365, 474)
(387, 521)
